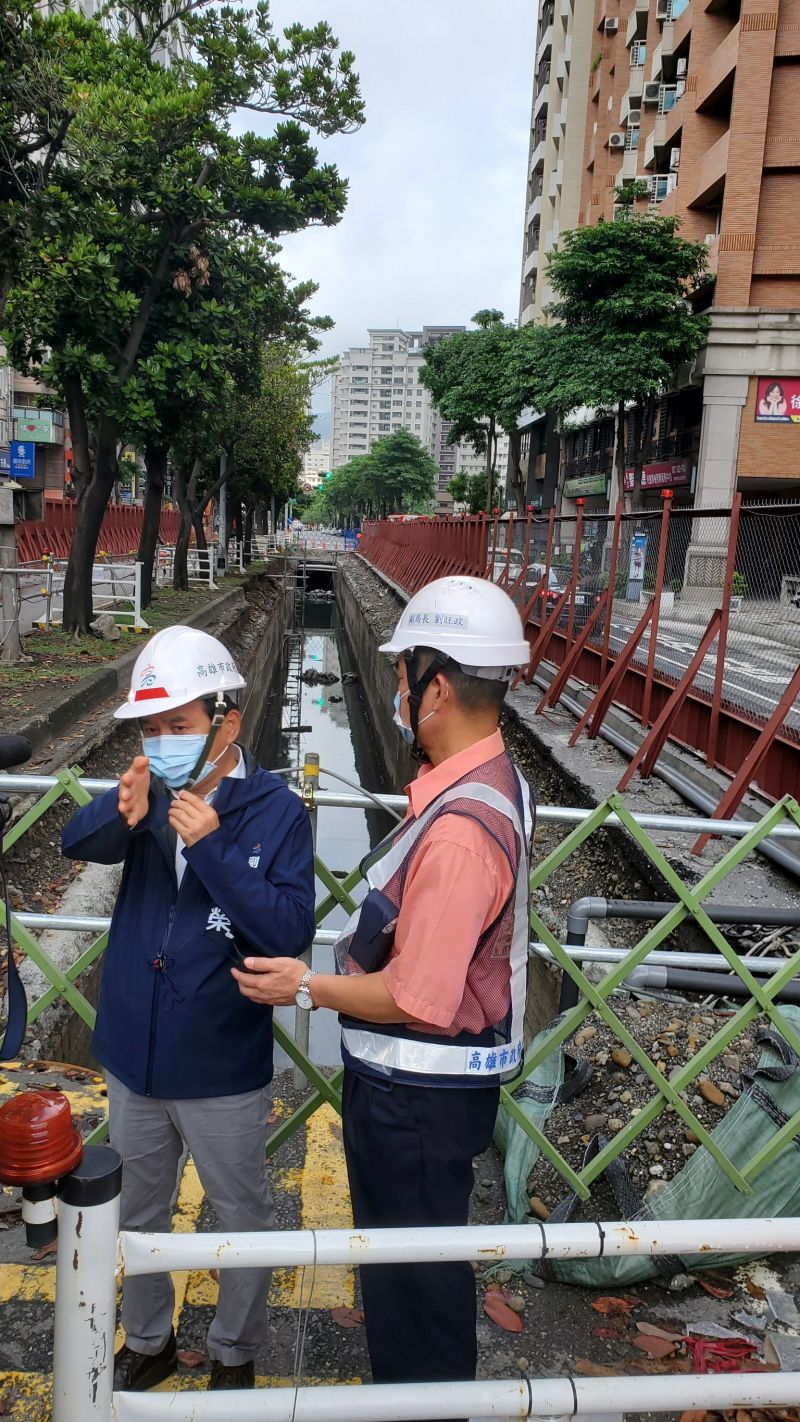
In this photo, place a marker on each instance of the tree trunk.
(248, 537)
(642, 444)
(185, 497)
(518, 488)
(155, 458)
(200, 528)
(617, 484)
(92, 503)
(491, 445)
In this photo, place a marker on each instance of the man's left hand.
(192, 818)
(273, 981)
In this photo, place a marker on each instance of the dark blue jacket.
(171, 1021)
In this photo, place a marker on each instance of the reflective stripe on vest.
(388, 1054)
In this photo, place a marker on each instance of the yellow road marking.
(325, 1202)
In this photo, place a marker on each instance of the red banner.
(661, 476)
(778, 402)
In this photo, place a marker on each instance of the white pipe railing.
(91, 1250)
(483, 1244)
(18, 784)
(602, 1399)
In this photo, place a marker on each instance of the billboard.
(23, 460)
(585, 486)
(661, 476)
(778, 401)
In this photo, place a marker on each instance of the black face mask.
(417, 686)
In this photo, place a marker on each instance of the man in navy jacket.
(210, 873)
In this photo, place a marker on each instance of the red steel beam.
(558, 683)
(612, 578)
(722, 647)
(650, 749)
(735, 791)
(598, 706)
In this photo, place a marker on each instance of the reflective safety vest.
(498, 798)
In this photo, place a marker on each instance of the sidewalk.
(689, 614)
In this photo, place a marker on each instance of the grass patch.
(55, 660)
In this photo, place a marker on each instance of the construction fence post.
(86, 1287)
(302, 1018)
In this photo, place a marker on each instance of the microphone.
(14, 750)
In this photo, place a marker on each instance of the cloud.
(433, 226)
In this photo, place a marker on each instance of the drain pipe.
(676, 781)
(592, 908)
(646, 979)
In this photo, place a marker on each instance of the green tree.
(397, 476)
(150, 176)
(482, 380)
(623, 323)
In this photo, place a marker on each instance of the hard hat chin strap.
(220, 712)
(418, 685)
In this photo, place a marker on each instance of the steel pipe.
(645, 978)
(545, 814)
(143, 1253)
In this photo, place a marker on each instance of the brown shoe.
(136, 1372)
(238, 1375)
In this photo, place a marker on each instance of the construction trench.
(306, 638)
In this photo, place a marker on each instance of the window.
(638, 53)
(386, 370)
(632, 138)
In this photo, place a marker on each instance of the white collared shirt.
(238, 773)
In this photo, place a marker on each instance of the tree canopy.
(482, 380)
(138, 226)
(623, 323)
(397, 476)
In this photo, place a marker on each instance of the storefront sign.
(582, 488)
(661, 476)
(778, 402)
(23, 460)
(5, 462)
(38, 428)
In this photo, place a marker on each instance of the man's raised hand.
(134, 789)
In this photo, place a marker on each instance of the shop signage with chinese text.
(584, 487)
(778, 402)
(661, 476)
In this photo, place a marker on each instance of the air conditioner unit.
(611, 24)
(674, 159)
(681, 68)
(651, 94)
(616, 140)
(663, 8)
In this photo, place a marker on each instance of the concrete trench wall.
(60, 1034)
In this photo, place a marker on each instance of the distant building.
(470, 463)
(317, 461)
(376, 389)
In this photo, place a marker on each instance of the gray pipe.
(592, 907)
(684, 786)
(720, 984)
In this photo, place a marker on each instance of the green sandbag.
(536, 1098)
(701, 1190)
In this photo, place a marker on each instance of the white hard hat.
(178, 665)
(469, 619)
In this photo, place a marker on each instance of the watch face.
(303, 998)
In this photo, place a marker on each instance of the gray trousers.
(226, 1136)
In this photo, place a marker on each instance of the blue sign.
(23, 459)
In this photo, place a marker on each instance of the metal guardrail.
(91, 1251)
(782, 821)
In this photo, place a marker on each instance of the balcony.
(655, 140)
(565, 12)
(709, 175)
(718, 72)
(637, 22)
(636, 84)
(664, 50)
(554, 181)
(529, 265)
(546, 41)
(540, 102)
(543, 77)
(534, 211)
(537, 156)
(629, 163)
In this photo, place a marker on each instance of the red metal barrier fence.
(687, 618)
(119, 534)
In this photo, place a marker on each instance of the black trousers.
(409, 1156)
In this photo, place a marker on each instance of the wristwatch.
(303, 996)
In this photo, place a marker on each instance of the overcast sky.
(433, 226)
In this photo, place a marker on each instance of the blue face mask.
(173, 758)
(405, 731)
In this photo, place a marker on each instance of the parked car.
(533, 576)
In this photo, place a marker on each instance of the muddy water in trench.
(330, 720)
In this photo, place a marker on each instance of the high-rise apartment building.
(555, 156)
(701, 100)
(376, 389)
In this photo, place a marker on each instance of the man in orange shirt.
(432, 971)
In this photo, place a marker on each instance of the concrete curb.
(42, 726)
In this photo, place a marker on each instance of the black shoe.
(238, 1375)
(136, 1372)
